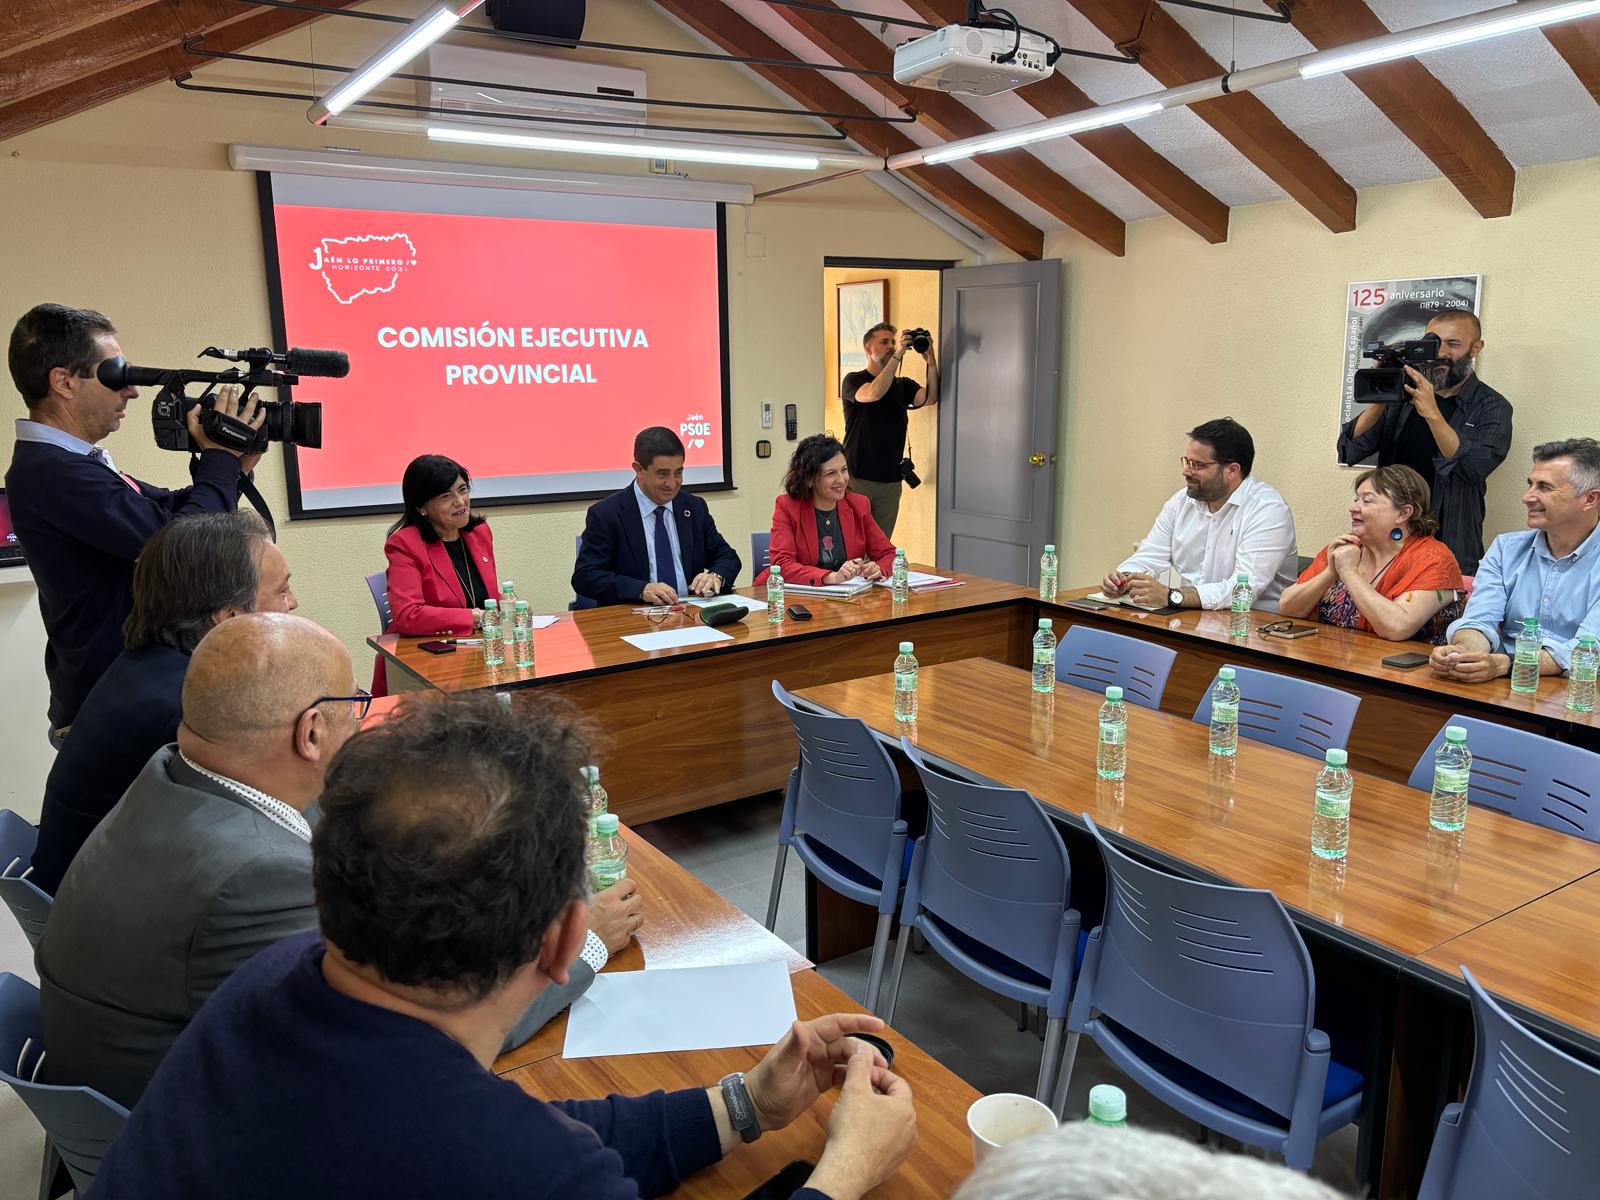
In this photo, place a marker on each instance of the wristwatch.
(741, 1113)
(1175, 598)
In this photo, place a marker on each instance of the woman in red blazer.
(821, 533)
(441, 557)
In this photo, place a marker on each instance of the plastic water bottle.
(775, 597)
(494, 647)
(597, 797)
(900, 578)
(1111, 758)
(1581, 675)
(1452, 768)
(1239, 608)
(1330, 818)
(522, 646)
(521, 618)
(1049, 569)
(1225, 714)
(1108, 1106)
(905, 684)
(1525, 663)
(1044, 658)
(508, 596)
(608, 860)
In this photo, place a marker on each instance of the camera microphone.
(333, 364)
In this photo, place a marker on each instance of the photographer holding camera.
(81, 521)
(1451, 428)
(876, 401)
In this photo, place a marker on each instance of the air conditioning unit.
(614, 95)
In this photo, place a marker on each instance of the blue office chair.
(1525, 775)
(1096, 658)
(578, 601)
(1281, 710)
(841, 816)
(990, 890)
(1526, 1128)
(28, 902)
(760, 553)
(1204, 995)
(79, 1123)
(378, 585)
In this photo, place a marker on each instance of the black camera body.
(295, 422)
(908, 472)
(1385, 383)
(921, 339)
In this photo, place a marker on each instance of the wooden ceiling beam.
(1117, 146)
(724, 28)
(1168, 53)
(1420, 106)
(848, 43)
(244, 26)
(25, 23)
(1579, 43)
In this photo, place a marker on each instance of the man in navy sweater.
(450, 887)
(82, 522)
(652, 541)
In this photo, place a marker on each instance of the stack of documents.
(850, 587)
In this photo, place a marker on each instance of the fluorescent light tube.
(1097, 118)
(1493, 23)
(410, 42)
(684, 152)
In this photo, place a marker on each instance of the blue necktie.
(666, 572)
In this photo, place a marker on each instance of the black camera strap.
(248, 489)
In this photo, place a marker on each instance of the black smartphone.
(785, 1183)
(799, 612)
(1405, 661)
(437, 647)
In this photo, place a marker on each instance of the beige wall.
(131, 208)
(913, 303)
(1180, 331)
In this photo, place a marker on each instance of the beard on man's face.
(1449, 372)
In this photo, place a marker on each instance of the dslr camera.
(297, 423)
(1385, 382)
(921, 339)
(908, 472)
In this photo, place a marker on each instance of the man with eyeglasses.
(1222, 524)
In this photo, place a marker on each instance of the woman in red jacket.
(821, 533)
(441, 556)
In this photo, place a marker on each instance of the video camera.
(1385, 383)
(297, 423)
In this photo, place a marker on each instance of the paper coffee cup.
(1001, 1119)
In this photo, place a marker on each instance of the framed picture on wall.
(861, 306)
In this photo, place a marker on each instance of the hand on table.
(659, 593)
(1114, 584)
(847, 571)
(1146, 590)
(872, 1128)
(805, 1063)
(1469, 666)
(707, 583)
(616, 914)
(871, 571)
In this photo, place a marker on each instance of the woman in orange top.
(1389, 575)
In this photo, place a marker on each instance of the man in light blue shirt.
(1550, 571)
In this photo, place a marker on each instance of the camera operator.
(1453, 430)
(875, 405)
(81, 521)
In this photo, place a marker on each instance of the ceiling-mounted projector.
(973, 60)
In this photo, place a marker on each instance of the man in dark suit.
(81, 521)
(652, 541)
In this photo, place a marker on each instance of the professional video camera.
(1385, 383)
(921, 339)
(297, 423)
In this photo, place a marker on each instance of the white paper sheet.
(667, 639)
(922, 580)
(689, 1008)
(748, 604)
(542, 622)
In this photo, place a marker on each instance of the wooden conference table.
(690, 925)
(1401, 710)
(1407, 900)
(686, 728)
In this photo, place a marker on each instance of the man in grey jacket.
(207, 858)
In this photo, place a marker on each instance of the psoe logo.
(366, 265)
(694, 429)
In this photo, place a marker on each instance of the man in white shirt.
(1221, 525)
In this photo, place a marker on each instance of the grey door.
(1001, 346)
